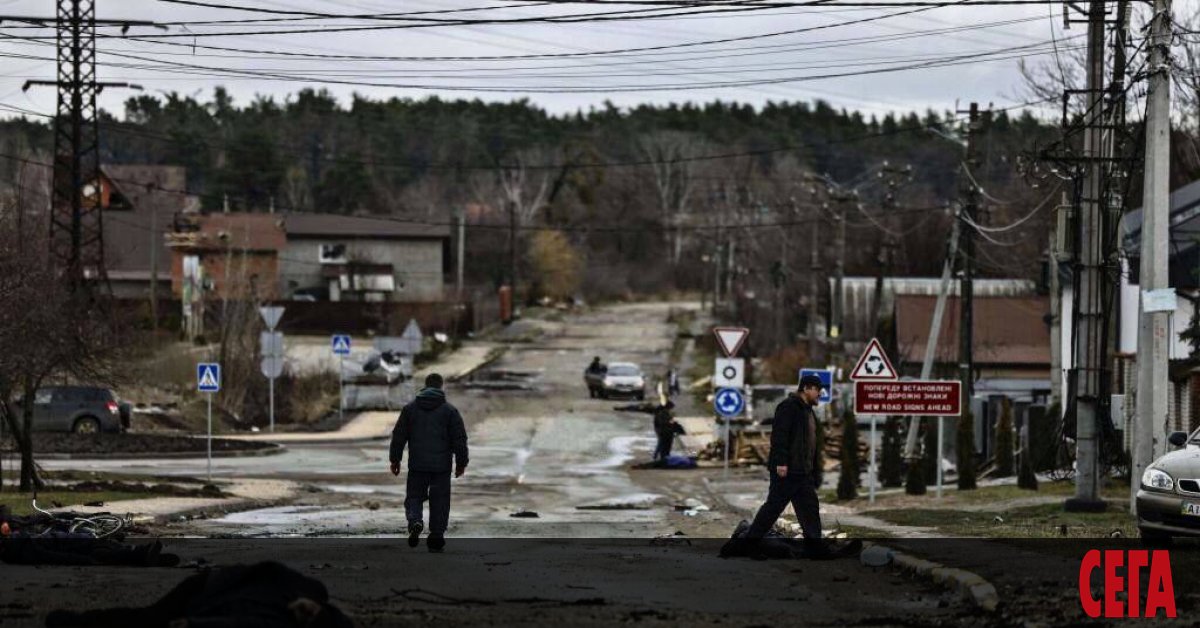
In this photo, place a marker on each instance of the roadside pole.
(340, 344)
(725, 472)
(272, 352)
(871, 467)
(210, 438)
(729, 381)
(208, 381)
(941, 423)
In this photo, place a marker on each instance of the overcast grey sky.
(790, 62)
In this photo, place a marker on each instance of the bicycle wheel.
(99, 526)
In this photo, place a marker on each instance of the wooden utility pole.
(976, 124)
(1151, 421)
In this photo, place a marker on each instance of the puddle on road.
(637, 501)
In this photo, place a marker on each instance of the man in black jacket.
(793, 467)
(665, 426)
(434, 433)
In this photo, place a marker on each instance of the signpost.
(729, 373)
(915, 398)
(272, 352)
(208, 380)
(340, 343)
(731, 339)
(729, 378)
(729, 403)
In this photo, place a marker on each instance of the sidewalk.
(161, 508)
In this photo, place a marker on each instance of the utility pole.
(977, 123)
(1150, 429)
(462, 239)
(1089, 368)
(839, 270)
(155, 242)
(76, 229)
(814, 292)
(1055, 330)
(512, 247)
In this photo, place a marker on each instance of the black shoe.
(414, 533)
(436, 542)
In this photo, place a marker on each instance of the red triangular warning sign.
(874, 364)
(731, 339)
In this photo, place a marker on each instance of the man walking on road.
(792, 464)
(435, 435)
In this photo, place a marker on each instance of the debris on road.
(525, 514)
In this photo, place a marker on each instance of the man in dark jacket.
(792, 464)
(665, 425)
(434, 433)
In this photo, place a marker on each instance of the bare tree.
(48, 330)
(669, 155)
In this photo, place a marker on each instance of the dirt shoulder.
(130, 443)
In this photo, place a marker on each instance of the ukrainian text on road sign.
(912, 398)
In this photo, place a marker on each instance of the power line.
(950, 61)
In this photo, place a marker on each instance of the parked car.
(1168, 503)
(79, 409)
(623, 379)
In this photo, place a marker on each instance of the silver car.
(1168, 503)
(623, 379)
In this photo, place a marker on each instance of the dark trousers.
(663, 449)
(797, 490)
(435, 487)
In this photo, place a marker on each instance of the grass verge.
(1040, 521)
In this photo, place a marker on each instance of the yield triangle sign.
(731, 339)
(874, 364)
(271, 315)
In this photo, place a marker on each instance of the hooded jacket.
(434, 432)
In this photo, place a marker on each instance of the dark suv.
(79, 409)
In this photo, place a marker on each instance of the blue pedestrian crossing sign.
(826, 376)
(208, 377)
(341, 344)
(729, 402)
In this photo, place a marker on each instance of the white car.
(623, 379)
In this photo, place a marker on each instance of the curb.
(273, 449)
(969, 585)
(494, 354)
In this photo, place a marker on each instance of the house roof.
(858, 296)
(237, 231)
(312, 226)
(154, 196)
(1007, 330)
(1184, 222)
